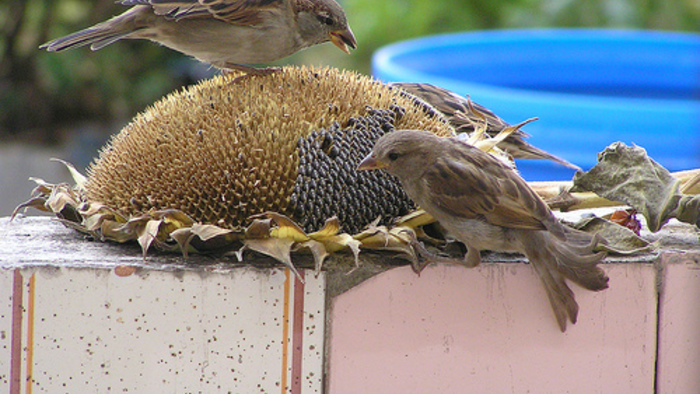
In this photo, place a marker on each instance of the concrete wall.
(92, 330)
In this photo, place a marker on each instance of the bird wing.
(237, 12)
(464, 114)
(469, 183)
(461, 113)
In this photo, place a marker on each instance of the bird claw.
(248, 72)
(423, 257)
(419, 264)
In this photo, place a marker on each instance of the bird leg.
(424, 257)
(472, 258)
(227, 67)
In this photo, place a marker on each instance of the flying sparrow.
(227, 34)
(463, 114)
(488, 206)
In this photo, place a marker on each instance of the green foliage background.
(42, 93)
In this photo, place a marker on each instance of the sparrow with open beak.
(488, 206)
(228, 34)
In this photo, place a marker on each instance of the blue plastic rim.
(589, 88)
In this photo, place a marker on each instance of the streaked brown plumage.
(463, 114)
(225, 33)
(488, 206)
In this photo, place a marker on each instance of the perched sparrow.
(487, 206)
(225, 33)
(463, 114)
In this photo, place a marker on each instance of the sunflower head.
(287, 143)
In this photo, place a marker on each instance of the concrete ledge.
(79, 316)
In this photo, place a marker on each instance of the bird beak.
(371, 163)
(343, 39)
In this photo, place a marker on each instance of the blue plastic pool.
(588, 87)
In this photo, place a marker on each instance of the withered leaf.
(619, 239)
(625, 173)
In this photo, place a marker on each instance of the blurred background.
(67, 104)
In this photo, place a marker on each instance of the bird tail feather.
(102, 34)
(96, 37)
(524, 150)
(555, 259)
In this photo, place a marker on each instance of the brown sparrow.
(463, 114)
(224, 33)
(488, 206)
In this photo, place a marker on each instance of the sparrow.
(486, 205)
(228, 34)
(464, 115)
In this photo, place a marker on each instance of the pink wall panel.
(679, 331)
(490, 329)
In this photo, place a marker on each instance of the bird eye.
(326, 20)
(393, 156)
